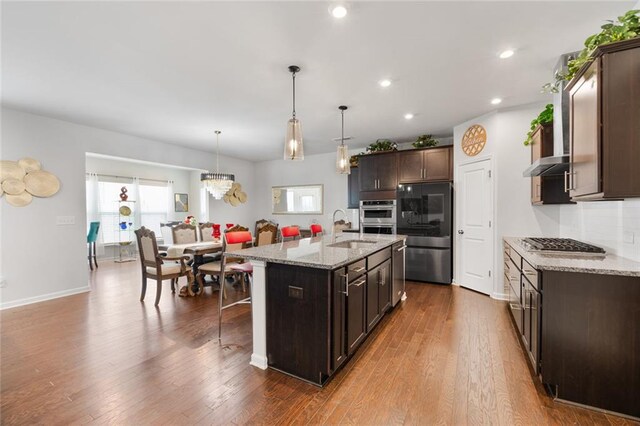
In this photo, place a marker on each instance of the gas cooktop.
(564, 245)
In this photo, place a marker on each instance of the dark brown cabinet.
(384, 287)
(425, 165)
(353, 185)
(338, 310)
(546, 189)
(604, 125)
(356, 309)
(378, 172)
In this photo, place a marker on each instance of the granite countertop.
(316, 252)
(609, 264)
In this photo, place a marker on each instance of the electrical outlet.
(628, 237)
(65, 220)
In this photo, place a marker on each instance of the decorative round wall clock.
(474, 140)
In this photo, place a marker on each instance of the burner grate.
(562, 244)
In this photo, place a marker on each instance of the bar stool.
(316, 230)
(290, 233)
(235, 241)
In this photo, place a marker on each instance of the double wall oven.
(378, 216)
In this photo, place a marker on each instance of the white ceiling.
(175, 71)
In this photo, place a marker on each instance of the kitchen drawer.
(507, 251)
(530, 273)
(356, 269)
(515, 308)
(377, 258)
(516, 259)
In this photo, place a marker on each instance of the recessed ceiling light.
(496, 101)
(339, 11)
(408, 116)
(385, 83)
(506, 54)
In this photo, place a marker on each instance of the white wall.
(315, 169)
(514, 215)
(30, 238)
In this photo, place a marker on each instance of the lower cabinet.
(356, 307)
(378, 293)
(339, 318)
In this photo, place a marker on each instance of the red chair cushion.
(316, 229)
(238, 237)
(290, 231)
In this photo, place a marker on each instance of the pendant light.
(342, 160)
(217, 183)
(293, 149)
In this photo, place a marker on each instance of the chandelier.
(217, 183)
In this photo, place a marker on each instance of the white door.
(475, 235)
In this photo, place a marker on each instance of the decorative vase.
(123, 194)
(216, 230)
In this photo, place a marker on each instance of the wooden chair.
(290, 233)
(157, 267)
(262, 222)
(206, 231)
(236, 228)
(92, 237)
(316, 230)
(267, 234)
(184, 234)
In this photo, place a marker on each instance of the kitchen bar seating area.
(453, 239)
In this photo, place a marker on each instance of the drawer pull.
(360, 269)
(359, 282)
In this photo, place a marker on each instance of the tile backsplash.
(613, 225)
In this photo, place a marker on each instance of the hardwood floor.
(445, 356)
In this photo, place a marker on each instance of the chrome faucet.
(334, 230)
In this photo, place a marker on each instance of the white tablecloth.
(176, 250)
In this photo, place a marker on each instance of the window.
(152, 207)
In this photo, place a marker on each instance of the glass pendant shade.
(342, 161)
(217, 184)
(293, 148)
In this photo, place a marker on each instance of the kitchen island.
(315, 300)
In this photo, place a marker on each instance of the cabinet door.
(354, 188)
(534, 343)
(536, 190)
(410, 166)
(387, 172)
(356, 322)
(373, 309)
(384, 287)
(368, 174)
(536, 154)
(338, 316)
(585, 134)
(437, 163)
(526, 307)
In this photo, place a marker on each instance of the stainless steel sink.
(352, 244)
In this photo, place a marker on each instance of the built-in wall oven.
(378, 216)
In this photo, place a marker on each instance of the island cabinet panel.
(338, 317)
(298, 323)
(384, 287)
(373, 307)
(356, 310)
(590, 339)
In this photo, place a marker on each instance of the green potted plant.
(382, 145)
(545, 117)
(626, 27)
(424, 141)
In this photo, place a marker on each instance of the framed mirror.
(301, 199)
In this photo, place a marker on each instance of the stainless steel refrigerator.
(425, 213)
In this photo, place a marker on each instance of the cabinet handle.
(566, 185)
(358, 283)
(571, 182)
(399, 249)
(382, 274)
(360, 269)
(346, 284)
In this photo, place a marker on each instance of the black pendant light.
(342, 160)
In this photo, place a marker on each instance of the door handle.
(358, 283)
(460, 231)
(399, 249)
(346, 284)
(360, 269)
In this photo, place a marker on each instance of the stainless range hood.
(559, 162)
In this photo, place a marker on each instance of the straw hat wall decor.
(235, 196)
(21, 180)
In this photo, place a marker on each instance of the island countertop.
(317, 252)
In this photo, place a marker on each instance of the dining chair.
(92, 237)
(236, 228)
(290, 233)
(158, 267)
(262, 222)
(206, 235)
(316, 230)
(267, 234)
(184, 234)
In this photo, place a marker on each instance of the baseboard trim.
(44, 297)
(499, 296)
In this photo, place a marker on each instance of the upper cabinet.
(605, 125)
(354, 188)
(425, 165)
(546, 189)
(378, 172)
